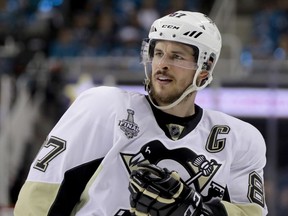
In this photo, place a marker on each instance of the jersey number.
(178, 15)
(256, 189)
(57, 146)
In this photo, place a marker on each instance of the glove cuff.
(193, 206)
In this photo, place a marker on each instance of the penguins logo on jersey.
(195, 170)
(128, 126)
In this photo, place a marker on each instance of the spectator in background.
(283, 44)
(147, 14)
(123, 9)
(268, 26)
(129, 37)
(64, 44)
(173, 5)
(102, 38)
(81, 25)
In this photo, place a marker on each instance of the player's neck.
(183, 109)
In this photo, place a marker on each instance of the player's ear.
(202, 77)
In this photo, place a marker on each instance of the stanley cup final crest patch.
(128, 126)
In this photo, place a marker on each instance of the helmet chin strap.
(193, 87)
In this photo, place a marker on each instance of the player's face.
(173, 69)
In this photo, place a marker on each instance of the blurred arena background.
(51, 50)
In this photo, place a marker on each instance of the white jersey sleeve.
(245, 184)
(72, 152)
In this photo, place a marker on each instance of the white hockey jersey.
(84, 165)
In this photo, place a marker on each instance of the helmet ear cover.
(209, 63)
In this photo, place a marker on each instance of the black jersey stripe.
(71, 188)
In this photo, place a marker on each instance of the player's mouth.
(163, 79)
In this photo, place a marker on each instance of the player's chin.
(162, 92)
(164, 88)
(163, 98)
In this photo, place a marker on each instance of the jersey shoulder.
(105, 92)
(241, 131)
(234, 122)
(106, 96)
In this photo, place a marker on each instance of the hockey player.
(120, 153)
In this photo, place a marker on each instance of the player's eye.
(177, 57)
(158, 54)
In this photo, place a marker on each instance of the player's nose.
(164, 62)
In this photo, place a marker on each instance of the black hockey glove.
(159, 192)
